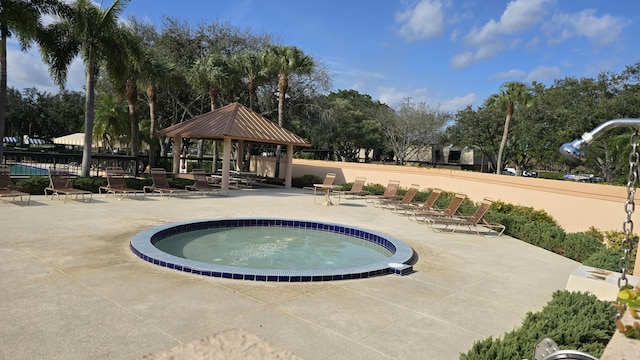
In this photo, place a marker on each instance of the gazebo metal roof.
(237, 122)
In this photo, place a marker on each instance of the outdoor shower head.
(573, 150)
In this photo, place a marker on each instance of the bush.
(374, 189)
(179, 183)
(138, 183)
(580, 246)
(574, 320)
(554, 175)
(545, 235)
(89, 183)
(526, 211)
(305, 180)
(613, 240)
(606, 259)
(514, 225)
(34, 185)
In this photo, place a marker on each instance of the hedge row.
(574, 320)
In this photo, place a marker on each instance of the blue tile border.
(142, 244)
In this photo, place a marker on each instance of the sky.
(446, 53)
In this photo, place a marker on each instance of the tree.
(413, 127)
(212, 72)
(349, 125)
(253, 71)
(285, 61)
(511, 94)
(111, 123)
(24, 20)
(477, 130)
(93, 33)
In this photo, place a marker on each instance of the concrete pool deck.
(73, 289)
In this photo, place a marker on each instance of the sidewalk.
(72, 288)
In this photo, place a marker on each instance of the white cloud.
(509, 74)
(488, 40)
(468, 58)
(459, 102)
(600, 30)
(424, 21)
(518, 16)
(26, 70)
(532, 44)
(394, 97)
(543, 73)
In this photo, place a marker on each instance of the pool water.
(263, 247)
(27, 170)
(268, 249)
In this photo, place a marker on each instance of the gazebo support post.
(226, 162)
(289, 173)
(177, 149)
(240, 155)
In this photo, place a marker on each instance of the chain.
(629, 207)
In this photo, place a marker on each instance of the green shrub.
(593, 231)
(179, 183)
(374, 189)
(554, 175)
(514, 225)
(138, 183)
(526, 211)
(613, 240)
(574, 320)
(89, 183)
(606, 259)
(580, 246)
(545, 235)
(305, 180)
(33, 185)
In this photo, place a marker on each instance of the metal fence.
(26, 163)
(30, 163)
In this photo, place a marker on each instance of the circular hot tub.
(268, 249)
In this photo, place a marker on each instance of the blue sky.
(446, 53)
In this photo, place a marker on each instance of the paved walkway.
(72, 289)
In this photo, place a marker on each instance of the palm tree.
(212, 71)
(127, 81)
(285, 61)
(254, 72)
(155, 73)
(22, 19)
(93, 33)
(110, 120)
(511, 95)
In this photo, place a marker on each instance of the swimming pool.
(391, 255)
(27, 170)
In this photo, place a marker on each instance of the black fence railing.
(26, 163)
(30, 163)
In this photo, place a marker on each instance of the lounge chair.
(389, 193)
(60, 184)
(429, 204)
(116, 184)
(201, 184)
(428, 216)
(329, 178)
(161, 183)
(5, 186)
(356, 189)
(405, 200)
(474, 222)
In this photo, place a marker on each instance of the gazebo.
(233, 122)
